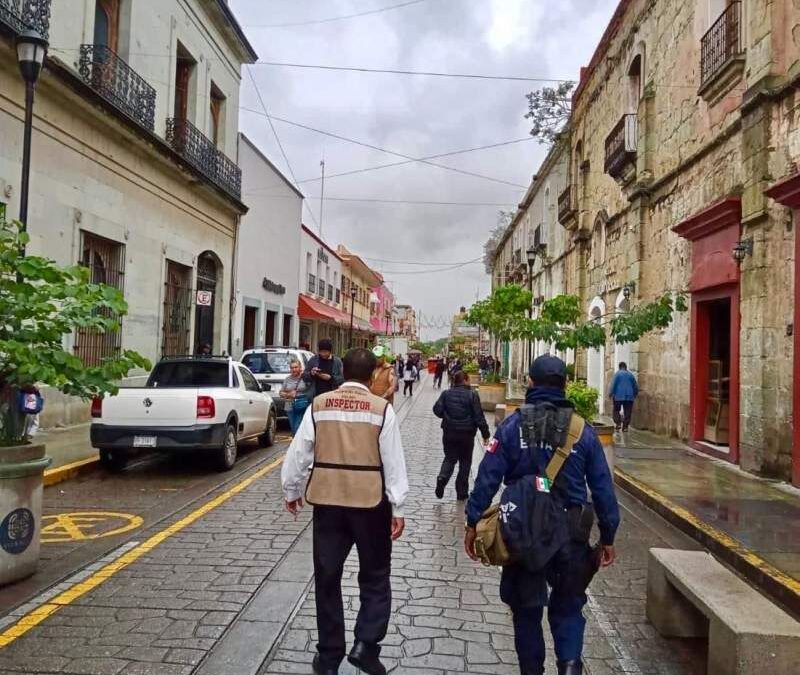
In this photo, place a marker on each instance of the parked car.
(270, 365)
(188, 403)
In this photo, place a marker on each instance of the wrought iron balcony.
(22, 15)
(118, 83)
(197, 149)
(722, 42)
(621, 146)
(565, 207)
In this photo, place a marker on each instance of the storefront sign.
(272, 287)
(204, 298)
(322, 255)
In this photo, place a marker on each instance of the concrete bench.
(689, 594)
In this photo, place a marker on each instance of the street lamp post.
(352, 311)
(31, 51)
(531, 256)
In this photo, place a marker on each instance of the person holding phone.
(324, 371)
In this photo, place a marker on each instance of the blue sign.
(16, 531)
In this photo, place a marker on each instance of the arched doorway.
(622, 352)
(209, 274)
(596, 358)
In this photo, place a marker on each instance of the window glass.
(268, 362)
(249, 381)
(189, 374)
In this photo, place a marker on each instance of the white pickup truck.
(189, 402)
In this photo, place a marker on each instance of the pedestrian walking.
(460, 411)
(323, 371)
(384, 382)
(293, 391)
(623, 392)
(409, 376)
(357, 488)
(522, 448)
(30, 403)
(438, 373)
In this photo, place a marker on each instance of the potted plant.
(492, 391)
(40, 303)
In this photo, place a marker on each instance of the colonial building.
(268, 251)
(381, 309)
(134, 168)
(405, 321)
(319, 306)
(683, 173)
(358, 297)
(466, 340)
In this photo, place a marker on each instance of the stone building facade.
(683, 147)
(133, 168)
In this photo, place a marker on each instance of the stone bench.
(689, 594)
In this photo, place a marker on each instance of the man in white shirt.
(358, 485)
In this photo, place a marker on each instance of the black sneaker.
(365, 659)
(320, 670)
(439, 489)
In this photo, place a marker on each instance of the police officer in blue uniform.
(509, 458)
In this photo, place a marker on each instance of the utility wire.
(336, 18)
(380, 200)
(416, 262)
(379, 149)
(441, 269)
(280, 145)
(424, 73)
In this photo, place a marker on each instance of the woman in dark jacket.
(460, 411)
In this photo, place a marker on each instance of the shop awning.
(314, 310)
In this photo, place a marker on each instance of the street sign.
(204, 298)
(85, 525)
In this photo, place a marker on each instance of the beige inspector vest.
(347, 459)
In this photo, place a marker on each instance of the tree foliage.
(40, 303)
(504, 218)
(561, 321)
(549, 109)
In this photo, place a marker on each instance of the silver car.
(270, 365)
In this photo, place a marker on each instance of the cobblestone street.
(227, 591)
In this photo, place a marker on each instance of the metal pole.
(530, 312)
(321, 196)
(352, 311)
(26, 158)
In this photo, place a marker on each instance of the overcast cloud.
(416, 116)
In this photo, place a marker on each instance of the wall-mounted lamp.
(743, 248)
(628, 290)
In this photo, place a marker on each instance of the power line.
(381, 200)
(415, 262)
(388, 152)
(336, 18)
(449, 268)
(424, 73)
(411, 161)
(280, 145)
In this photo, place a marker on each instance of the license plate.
(144, 441)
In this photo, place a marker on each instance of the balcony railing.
(722, 42)
(117, 82)
(22, 15)
(621, 146)
(197, 149)
(565, 205)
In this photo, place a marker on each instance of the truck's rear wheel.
(113, 460)
(267, 439)
(229, 450)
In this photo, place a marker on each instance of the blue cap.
(547, 366)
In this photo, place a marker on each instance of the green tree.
(549, 109)
(40, 303)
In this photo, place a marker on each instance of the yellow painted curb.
(72, 470)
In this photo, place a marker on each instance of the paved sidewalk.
(755, 517)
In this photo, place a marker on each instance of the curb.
(72, 470)
(767, 578)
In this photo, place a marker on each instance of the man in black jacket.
(460, 411)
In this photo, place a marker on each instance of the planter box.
(491, 395)
(21, 470)
(605, 433)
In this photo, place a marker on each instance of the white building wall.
(269, 246)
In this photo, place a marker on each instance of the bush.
(584, 398)
(491, 378)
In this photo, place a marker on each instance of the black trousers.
(437, 380)
(458, 448)
(336, 530)
(408, 387)
(623, 419)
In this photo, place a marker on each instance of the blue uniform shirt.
(623, 386)
(506, 461)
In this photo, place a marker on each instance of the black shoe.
(574, 667)
(440, 489)
(462, 498)
(365, 658)
(319, 670)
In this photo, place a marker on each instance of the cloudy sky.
(413, 116)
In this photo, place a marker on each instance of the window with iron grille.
(106, 262)
(330, 292)
(338, 296)
(312, 283)
(321, 291)
(177, 310)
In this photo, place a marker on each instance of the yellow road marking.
(67, 471)
(78, 526)
(720, 537)
(36, 616)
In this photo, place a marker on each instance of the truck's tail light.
(205, 407)
(97, 406)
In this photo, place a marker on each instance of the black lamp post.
(31, 52)
(531, 256)
(352, 311)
